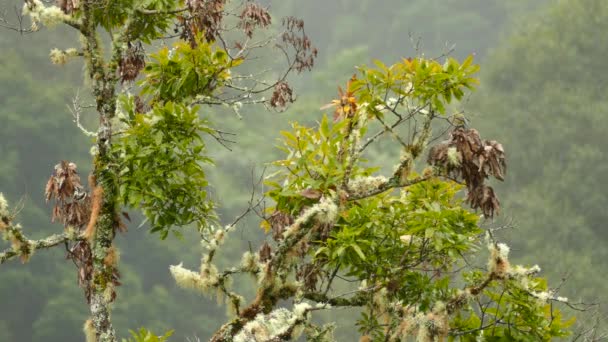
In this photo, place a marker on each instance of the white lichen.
(233, 303)
(53, 15)
(209, 274)
(301, 309)
(361, 186)
(406, 239)
(49, 16)
(219, 236)
(302, 219)
(498, 263)
(454, 157)
(380, 299)
(327, 211)
(503, 249)
(202, 282)
(278, 323)
(94, 151)
(3, 206)
(250, 262)
(544, 296)
(71, 52)
(58, 57)
(186, 279)
(519, 271)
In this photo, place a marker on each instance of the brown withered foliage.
(311, 193)
(131, 61)
(252, 17)
(72, 207)
(295, 37)
(278, 222)
(68, 6)
(301, 248)
(82, 257)
(308, 274)
(323, 231)
(265, 252)
(72, 203)
(80, 253)
(204, 16)
(140, 108)
(464, 156)
(282, 95)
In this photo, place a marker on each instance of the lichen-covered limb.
(21, 246)
(360, 299)
(48, 15)
(279, 324)
(267, 296)
(392, 183)
(31, 245)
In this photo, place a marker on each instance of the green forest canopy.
(520, 80)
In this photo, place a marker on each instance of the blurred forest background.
(543, 95)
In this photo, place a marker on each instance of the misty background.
(544, 81)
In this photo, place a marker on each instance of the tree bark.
(104, 81)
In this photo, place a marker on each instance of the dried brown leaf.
(311, 193)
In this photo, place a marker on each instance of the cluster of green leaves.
(113, 14)
(316, 164)
(521, 317)
(161, 155)
(185, 71)
(420, 80)
(388, 237)
(412, 245)
(39, 133)
(144, 335)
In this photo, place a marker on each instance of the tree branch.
(156, 12)
(393, 183)
(32, 245)
(360, 299)
(20, 244)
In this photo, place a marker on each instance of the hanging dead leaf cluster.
(203, 16)
(141, 106)
(131, 62)
(464, 156)
(68, 6)
(73, 206)
(279, 221)
(282, 95)
(309, 275)
(265, 252)
(72, 203)
(253, 16)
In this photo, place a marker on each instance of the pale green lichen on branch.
(21, 245)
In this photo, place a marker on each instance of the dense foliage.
(336, 221)
(147, 297)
